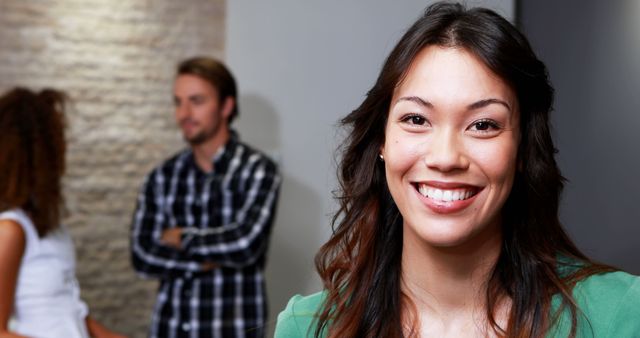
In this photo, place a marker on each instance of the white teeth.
(422, 189)
(447, 196)
(456, 195)
(444, 195)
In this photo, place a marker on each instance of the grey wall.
(592, 49)
(301, 66)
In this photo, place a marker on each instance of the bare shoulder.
(9, 227)
(12, 236)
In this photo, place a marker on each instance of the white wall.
(301, 66)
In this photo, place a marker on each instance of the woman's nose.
(445, 152)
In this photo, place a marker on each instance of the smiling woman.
(450, 154)
(448, 223)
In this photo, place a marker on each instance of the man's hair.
(32, 155)
(217, 74)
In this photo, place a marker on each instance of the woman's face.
(450, 148)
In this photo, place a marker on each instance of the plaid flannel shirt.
(226, 216)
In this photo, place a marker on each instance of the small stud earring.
(381, 157)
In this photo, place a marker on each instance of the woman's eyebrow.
(473, 106)
(416, 99)
(487, 102)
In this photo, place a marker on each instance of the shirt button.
(186, 327)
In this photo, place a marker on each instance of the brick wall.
(115, 59)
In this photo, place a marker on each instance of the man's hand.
(208, 266)
(172, 237)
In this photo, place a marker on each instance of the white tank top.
(47, 302)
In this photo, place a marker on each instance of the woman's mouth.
(446, 197)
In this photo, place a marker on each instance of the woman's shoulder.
(609, 291)
(11, 231)
(611, 303)
(19, 217)
(610, 284)
(298, 318)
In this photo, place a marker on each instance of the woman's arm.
(97, 330)
(12, 243)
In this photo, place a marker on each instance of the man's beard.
(206, 134)
(202, 136)
(197, 139)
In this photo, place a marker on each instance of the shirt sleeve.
(625, 321)
(608, 306)
(244, 241)
(287, 326)
(149, 257)
(299, 318)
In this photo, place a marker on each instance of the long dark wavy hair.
(32, 155)
(360, 264)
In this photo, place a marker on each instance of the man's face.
(199, 112)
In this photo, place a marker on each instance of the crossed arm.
(159, 250)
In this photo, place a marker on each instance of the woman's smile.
(446, 197)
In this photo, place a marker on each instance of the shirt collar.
(223, 156)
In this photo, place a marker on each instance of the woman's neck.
(447, 285)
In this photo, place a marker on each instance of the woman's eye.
(484, 126)
(415, 120)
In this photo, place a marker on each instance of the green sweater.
(610, 304)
